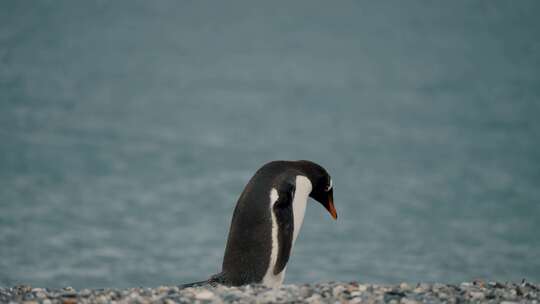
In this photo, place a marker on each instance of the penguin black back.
(249, 225)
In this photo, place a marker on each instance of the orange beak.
(330, 205)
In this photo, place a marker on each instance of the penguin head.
(322, 188)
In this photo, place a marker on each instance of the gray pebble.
(332, 292)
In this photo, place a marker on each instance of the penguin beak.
(329, 204)
(326, 198)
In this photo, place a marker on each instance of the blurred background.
(129, 128)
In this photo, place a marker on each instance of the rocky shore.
(352, 292)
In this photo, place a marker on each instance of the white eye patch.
(329, 186)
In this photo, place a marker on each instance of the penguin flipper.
(283, 211)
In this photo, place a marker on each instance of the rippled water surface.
(128, 130)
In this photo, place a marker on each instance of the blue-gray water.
(128, 130)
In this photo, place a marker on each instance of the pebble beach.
(333, 292)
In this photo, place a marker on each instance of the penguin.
(266, 222)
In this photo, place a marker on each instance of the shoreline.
(332, 292)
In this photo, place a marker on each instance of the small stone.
(69, 294)
(362, 288)
(404, 286)
(500, 293)
(20, 289)
(495, 285)
(41, 294)
(337, 291)
(204, 295)
(479, 283)
(390, 295)
(162, 289)
(477, 295)
(314, 299)
(28, 297)
(355, 301)
(99, 299)
(408, 301)
(438, 286)
(85, 292)
(305, 292)
(508, 302)
(424, 286)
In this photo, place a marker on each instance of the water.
(128, 130)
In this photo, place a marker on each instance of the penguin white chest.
(303, 189)
(300, 197)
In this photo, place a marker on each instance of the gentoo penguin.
(267, 220)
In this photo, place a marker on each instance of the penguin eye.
(329, 187)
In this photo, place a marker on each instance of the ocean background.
(128, 130)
